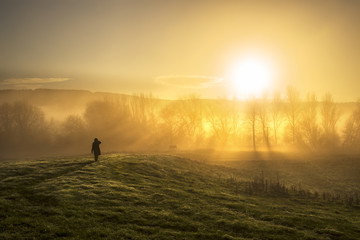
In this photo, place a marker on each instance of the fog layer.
(65, 122)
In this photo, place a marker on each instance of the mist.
(62, 122)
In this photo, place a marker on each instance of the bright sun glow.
(251, 77)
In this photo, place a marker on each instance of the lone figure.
(96, 148)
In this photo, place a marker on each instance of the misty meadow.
(179, 119)
(58, 121)
(269, 168)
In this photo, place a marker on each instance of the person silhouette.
(96, 148)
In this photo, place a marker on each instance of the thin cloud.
(189, 81)
(20, 86)
(31, 81)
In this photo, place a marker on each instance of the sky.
(173, 48)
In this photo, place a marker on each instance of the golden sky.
(177, 47)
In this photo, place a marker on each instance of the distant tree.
(219, 122)
(252, 116)
(223, 119)
(74, 124)
(293, 112)
(6, 121)
(73, 133)
(329, 119)
(309, 121)
(110, 120)
(351, 132)
(182, 120)
(23, 125)
(236, 120)
(276, 113)
(27, 118)
(171, 124)
(264, 118)
(191, 115)
(143, 110)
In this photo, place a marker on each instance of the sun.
(250, 77)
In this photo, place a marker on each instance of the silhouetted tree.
(73, 134)
(352, 130)
(23, 126)
(171, 124)
(6, 121)
(183, 120)
(191, 116)
(252, 115)
(143, 110)
(111, 119)
(293, 112)
(223, 119)
(309, 121)
(276, 113)
(264, 119)
(329, 119)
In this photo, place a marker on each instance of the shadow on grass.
(23, 180)
(20, 177)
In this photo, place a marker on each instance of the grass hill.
(128, 196)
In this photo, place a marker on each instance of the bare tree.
(170, 123)
(276, 113)
(252, 115)
(6, 121)
(110, 119)
(191, 115)
(143, 109)
(74, 132)
(351, 132)
(329, 118)
(224, 120)
(27, 118)
(293, 112)
(264, 119)
(183, 120)
(23, 125)
(219, 122)
(309, 121)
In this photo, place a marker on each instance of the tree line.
(142, 122)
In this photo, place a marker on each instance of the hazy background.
(171, 48)
(61, 122)
(86, 59)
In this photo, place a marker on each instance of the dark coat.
(96, 148)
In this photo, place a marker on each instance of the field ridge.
(139, 196)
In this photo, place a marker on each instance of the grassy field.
(128, 196)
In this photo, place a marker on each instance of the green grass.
(127, 196)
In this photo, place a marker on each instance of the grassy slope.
(153, 197)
